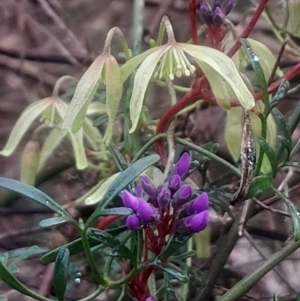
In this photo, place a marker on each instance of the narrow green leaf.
(211, 147)
(100, 120)
(34, 194)
(281, 92)
(172, 272)
(116, 211)
(114, 89)
(119, 250)
(26, 252)
(79, 150)
(118, 157)
(122, 181)
(52, 221)
(93, 137)
(97, 196)
(83, 95)
(259, 72)
(294, 118)
(295, 214)
(259, 185)
(284, 127)
(23, 123)
(174, 243)
(61, 273)
(294, 164)
(76, 246)
(14, 283)
(269, 153)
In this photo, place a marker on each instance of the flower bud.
(182, 196)
(133, 223)
(146, 212)
(174, 183)
(198, 205)
(205, 13)
(164, 197)
(149, 187)
(183, 164)
(227, 6)
(217, 17)
(130, 201)
(193, 224)
(150, 299)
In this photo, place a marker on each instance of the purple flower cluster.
(151, 202)
(215, 14)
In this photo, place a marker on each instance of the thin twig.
(256, 248)
(271, 209)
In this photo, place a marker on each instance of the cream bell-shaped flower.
(179, 59)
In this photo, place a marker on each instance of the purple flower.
(205, 13)
(164, 197)
(183, 164)
(146, 212)
(193, 224)
(218, 17)
(175, 183)
(149, 187)
(133, 223)
(198, 205)
(130, 201)
(182, 196)
(228, 6)
(150, 299)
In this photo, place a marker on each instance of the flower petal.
(224, 78)
(141, 81)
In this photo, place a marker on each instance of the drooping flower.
(130, 201)
(182, 196)
(183, 164)
(198, 205)
(175, 183)
(146, 212)
(176, 59)
(149, 186)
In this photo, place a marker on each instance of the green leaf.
(119, 250)
(259, 185)
(294, 164)
(83, 95)
(118, 157)
(174, 243)
(293, 7)
(76, 246)
(122, 181)
(116, 211)
(269, 153)
(295, 214)
(14, 283)
(97, 196)
(61, 273)
(259, 72)
(79, 150)
(100, 120)
(211, 147)
(23, 123)
(52, 221)
(294, 118)
(172, 272)
(281, 92)
(114, 89)
(35, 195)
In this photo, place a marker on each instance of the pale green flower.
(177, 59)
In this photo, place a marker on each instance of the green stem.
(92, 296)
(148, 145)
(137, 28)
(186, 286)
(208, 154)
(170, 132)
(247, 282)
(90, 258)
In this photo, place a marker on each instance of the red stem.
(106, 221)
(192, 13)
(249, 28)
